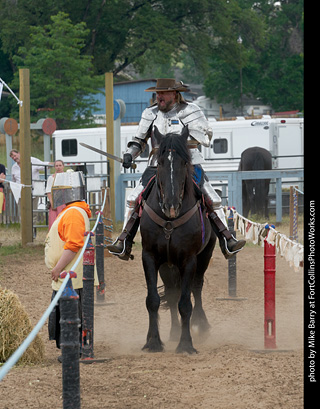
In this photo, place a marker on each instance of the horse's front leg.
(185, 308)
(154, 343)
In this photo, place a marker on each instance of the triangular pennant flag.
(16, 191)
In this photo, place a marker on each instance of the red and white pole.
(269, 294)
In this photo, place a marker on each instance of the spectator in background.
(37, 166)
(53, 212)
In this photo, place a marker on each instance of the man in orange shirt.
(65, 240)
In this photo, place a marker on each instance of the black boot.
(123, 245)
(229, 245)
(121, 248)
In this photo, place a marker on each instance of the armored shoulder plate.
(147, 117)
(198, 125)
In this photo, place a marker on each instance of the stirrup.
(126, 252)
(225, 250)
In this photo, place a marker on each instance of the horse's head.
(174, 171)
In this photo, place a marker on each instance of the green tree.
(282, 60)
(61, 79)
(154, 36)
(272, 67)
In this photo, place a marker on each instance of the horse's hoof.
(153, 347)
(201, 328)
(186, 348)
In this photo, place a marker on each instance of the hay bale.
(15, 326)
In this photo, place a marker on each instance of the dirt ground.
(230, 371)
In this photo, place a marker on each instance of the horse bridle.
(161, 193)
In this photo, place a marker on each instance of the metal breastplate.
(173, 121)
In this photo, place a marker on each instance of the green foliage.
(282, 60)
(270, 57)
(155, 37)
(60, 77)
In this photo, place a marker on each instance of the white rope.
(14, 183)
(291, 250)
(7, 86)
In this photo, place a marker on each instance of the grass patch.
(12, 249)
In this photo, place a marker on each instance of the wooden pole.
(110, 137)
(25, 160)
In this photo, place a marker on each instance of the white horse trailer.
(66, 146)
(283, 137)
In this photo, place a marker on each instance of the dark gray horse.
(255, 191)
(177, 241)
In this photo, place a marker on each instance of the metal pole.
(88, 300)
(232, 262)
(100, 259)
(269, 294)
(232, 266)
(70, 346)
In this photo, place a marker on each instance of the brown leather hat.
(168, 84)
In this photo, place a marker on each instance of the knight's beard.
(167, 107)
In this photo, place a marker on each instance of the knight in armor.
(170, 113)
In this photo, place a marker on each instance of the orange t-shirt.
(71, 226)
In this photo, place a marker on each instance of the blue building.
(134, 96)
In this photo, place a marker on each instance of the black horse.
(255, 192)
(177, 241)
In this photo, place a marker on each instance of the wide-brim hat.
(168, 84)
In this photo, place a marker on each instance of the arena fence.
(11, 213)
(233, 181)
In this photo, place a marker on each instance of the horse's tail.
(258, 163)
(164, 302)
(261, 162)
